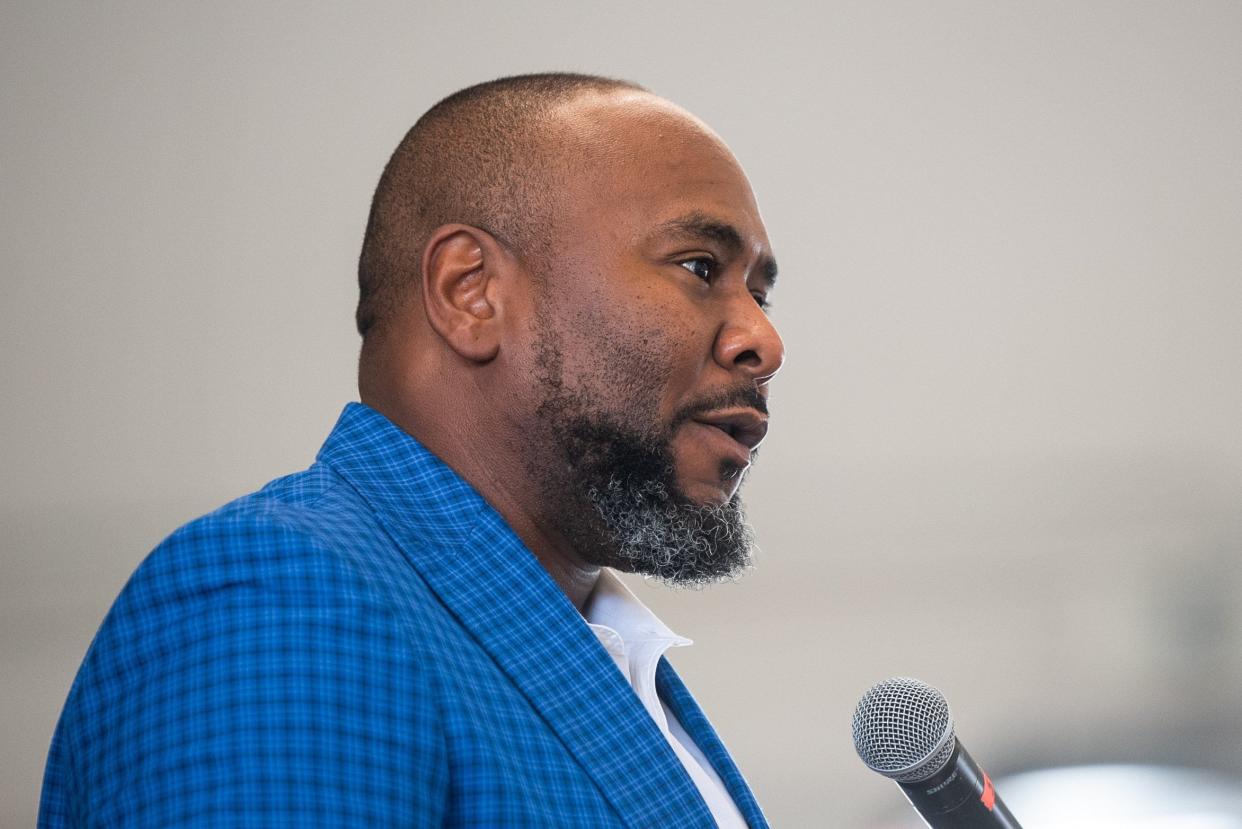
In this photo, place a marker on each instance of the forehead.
(643, 163)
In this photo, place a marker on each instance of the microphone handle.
(959, 796)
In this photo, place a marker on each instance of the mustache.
(747, 396)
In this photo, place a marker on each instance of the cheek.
(626, 356)
(631, 335)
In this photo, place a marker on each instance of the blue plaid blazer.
(362, 644)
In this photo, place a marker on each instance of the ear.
(465, 271)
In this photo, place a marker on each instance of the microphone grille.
(903, 729)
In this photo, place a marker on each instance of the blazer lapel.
(675, 694)
(500, 593)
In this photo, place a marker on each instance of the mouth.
(745, 427)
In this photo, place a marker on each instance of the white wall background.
(1006, 454)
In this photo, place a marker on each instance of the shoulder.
(263, 586)
(254, 658)
(307, 534)
(266, 567)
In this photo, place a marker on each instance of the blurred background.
(1005, 456)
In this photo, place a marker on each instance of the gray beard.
(654, 532)
(619, 505)
(613, 486)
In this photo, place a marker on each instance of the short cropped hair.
(478, 157)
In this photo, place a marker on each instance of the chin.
(707, 480)
(719, 486)
(706, 494)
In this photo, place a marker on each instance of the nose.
(748, 342)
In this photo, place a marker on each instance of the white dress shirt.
(636, 639)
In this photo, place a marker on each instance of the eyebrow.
(699, 225)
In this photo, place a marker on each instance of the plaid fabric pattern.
(363, 644)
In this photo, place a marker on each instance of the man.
(564, 369)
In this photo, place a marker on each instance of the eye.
(701, 266)
(762, 301)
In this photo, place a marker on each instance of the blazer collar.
(679, 700)
(499, 592)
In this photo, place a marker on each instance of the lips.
(744, 426)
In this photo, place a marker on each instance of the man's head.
(562, 287)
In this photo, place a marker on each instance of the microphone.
(903, 730)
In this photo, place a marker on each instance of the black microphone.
(903, 730)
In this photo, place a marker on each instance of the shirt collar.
(613, 605)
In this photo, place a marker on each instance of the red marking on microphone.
(989, 794)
